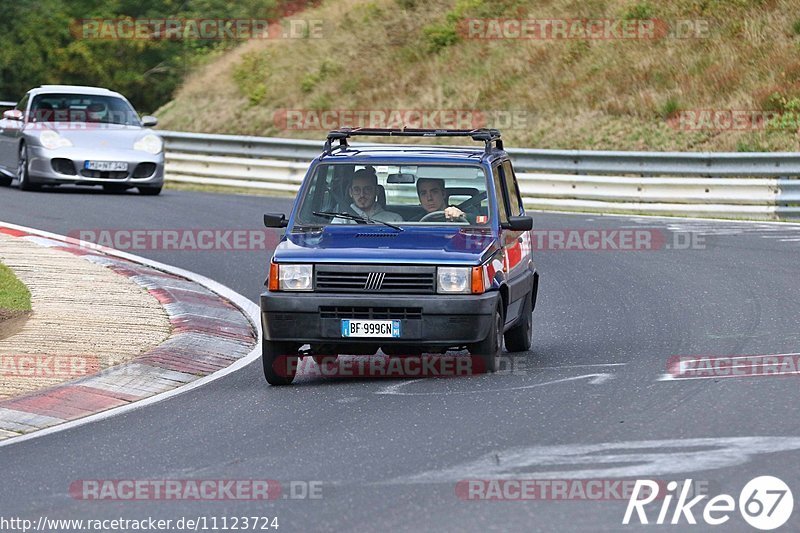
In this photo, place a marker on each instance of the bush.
(440, 36)
(669, 108)
(251, 76)
(640, 11)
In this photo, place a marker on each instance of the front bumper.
(442, 321)
(42, 171)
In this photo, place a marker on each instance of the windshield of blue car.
(397, 194)
(88, 108)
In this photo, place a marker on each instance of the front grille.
(399, 280)
(378, 234)
(104, 174)
(377, 313)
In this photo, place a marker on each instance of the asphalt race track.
(588, 402)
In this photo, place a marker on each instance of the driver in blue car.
(431, 194)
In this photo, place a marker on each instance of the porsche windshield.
(52, 107)
(397, 194)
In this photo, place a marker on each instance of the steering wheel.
(439, 216)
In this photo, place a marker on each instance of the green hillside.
(395, 55)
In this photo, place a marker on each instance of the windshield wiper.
(357, 218)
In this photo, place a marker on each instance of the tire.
(518, 338)
(486, 354)
(5, 182)
(279, 360)
(23, 176)
(150, 191)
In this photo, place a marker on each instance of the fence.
(729, 185)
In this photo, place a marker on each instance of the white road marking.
(575, 366)
(670, 377)
(754, 363)
(632, 459)
(775, 231)
(597, 379)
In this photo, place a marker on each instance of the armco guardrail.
(6, 105)
(731, 185)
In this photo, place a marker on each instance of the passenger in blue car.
(364, 191)
(431, 194)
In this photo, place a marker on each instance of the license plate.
(370, 328)
(106, 165)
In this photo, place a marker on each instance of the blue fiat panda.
(403, 248)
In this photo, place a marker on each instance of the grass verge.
(221, 189)
(15, 298)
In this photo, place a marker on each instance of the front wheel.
(5, 181)
(149, 191)
(518, 338)
(487, 352)
(280, 361)
(23, 176)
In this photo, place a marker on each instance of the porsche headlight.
(52, 140)
(295, 277)
(152, 144)
(453, 280)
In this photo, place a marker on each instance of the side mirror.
(275, 220)
(12, 114)
(149, 122)
(521, 223)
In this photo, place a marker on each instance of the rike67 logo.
(765, 503)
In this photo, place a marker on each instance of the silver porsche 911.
(59, 134)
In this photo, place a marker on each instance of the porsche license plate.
(106, 165)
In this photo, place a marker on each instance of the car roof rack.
(488, 136)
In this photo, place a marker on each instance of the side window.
(498, 186)
(319, 196)
(22, 104)
(514, 203)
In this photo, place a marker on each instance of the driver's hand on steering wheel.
(453, 213)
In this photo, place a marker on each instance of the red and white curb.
(214, 333)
